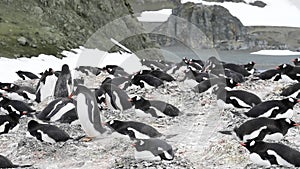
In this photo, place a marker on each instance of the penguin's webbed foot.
(87, 139)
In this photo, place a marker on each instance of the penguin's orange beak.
(71, 95)
(104, 123)
(238, 84)
(243, 144)
(130, 99)
(277, 68)
(296, 124)
(133, 145)
(298, 100)
(24, 112)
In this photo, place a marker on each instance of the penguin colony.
(265, 122)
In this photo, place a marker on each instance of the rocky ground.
(197, 143)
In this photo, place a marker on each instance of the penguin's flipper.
(227, 132)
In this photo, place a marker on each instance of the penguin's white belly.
(141, 113)
(158, 112)
(62, 111)
(279, 159)
(145, 155)
(288, 114)
(274, 136)
(255, 158)
(48, 88)
(83, 116)
(269, 112)
(2, 127)
(253, 135)
(16, 128)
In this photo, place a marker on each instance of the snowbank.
(155, 16)
(275, 52)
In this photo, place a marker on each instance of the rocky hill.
(50, 26)
(201, 26)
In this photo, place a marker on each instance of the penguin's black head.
(249, 144)
(114, 124)
(231, 83)
(288, 122)
(139, 145)
(290, 102)
(32, 124)
(65, 68)
(284, 67)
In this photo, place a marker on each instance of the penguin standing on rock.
(267, 154)
(46, 132)
(135, 130)
(6, 163)
(153, 149)
(88, 112)
(46, 85)
(64, 83)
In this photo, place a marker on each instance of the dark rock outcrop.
(50, 26)
(258, 4)
(225, 1)
(200, 26)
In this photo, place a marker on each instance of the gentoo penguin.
(61, 109)
(267, 154)
(26, 75)
(292, 91)
(212, 84)
(292, 72)
(46, 132)
(135, 130)
(237, 68)
(228, 74)
(156, 108)
(153, 149)
(46, 85)
(193, 64)
(9, 122)
(17, 92)
(159, 74)
(88, 112)
(272, 74)
(296, 61)
(236, 98)
(274, 109)
(64, 83)
(212, 63)
(115, 98)
(115, 70)
(250, 67)
(6, 163)
(263, 129)
(151, 64)
(14, 106)
(122, 82)
(146, 81)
